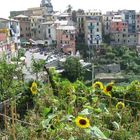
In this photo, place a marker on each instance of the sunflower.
(98, 85)
(33, 88)
(120, 105)
(108, 88)
(82, 122)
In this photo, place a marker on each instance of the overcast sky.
(10, 5)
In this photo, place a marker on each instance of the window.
(91, 31)
(49, 31)
(97, 29)
(20, 29)
(66, 36)
(90, 23)
(97, 23)
(39, 32)
(118, 40)
(38, 26)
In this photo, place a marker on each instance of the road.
(27, 69)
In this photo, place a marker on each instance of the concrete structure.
(25, 31)
(93, 27)
(107, 19)
(49, 31)
(36, 27)
(129, 16)
(80, 25)
(121, 26)
(9, 36)
(138, 22)
(65, 36)
(47, 6)
(128, 39)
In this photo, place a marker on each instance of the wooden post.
(13, 122)
(15, 110)
(5, 115)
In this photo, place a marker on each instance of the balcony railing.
(91, 27)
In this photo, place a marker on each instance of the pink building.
(65, 36)
(118, 26)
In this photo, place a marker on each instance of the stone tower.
(47, 5)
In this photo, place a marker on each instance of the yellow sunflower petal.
(98, 85)
(106, 92)
(33, 88)
(82, 122)
(120, 105)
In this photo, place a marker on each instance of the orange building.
(65, 36)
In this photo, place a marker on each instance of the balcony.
(91, 27)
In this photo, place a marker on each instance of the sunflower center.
(97, 85)
(120, 106)
(34, 88)
(109, 88)
(82, 121)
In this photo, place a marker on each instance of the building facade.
(25, 30)
(65, 36)
(9, 37)
(93, 28)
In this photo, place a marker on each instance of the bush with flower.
(77, 111)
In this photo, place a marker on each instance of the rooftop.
(66, 28)
(21, 16)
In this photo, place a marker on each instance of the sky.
(104, 5)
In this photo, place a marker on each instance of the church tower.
(47, 5)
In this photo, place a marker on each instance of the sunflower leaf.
(85, 112)
(97, 133)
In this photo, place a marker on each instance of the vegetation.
(73, 69)
(75, 112)
(65, 108)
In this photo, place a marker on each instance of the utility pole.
(92, 62)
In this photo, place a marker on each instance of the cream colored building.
(93, 27)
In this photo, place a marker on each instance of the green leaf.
(103, 108)
(71, 138)
(85, 112)
(45, 123)
(115, 125)
(97, 133)
(46, 111)
(95, 99)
